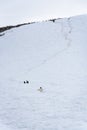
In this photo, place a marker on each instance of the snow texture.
(51, 55)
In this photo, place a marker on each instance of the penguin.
(24, 82)
(40, 89)
(27, 81)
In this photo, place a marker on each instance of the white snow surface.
(51, 55)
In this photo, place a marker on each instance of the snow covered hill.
(51, 55)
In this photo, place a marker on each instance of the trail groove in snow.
(66, 34)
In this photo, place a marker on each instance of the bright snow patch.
(51, 55)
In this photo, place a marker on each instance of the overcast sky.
(19, 11)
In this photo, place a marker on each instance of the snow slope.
(51, 55)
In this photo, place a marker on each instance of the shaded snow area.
(51, 55)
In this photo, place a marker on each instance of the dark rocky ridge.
(5, 28)
(2, 29)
